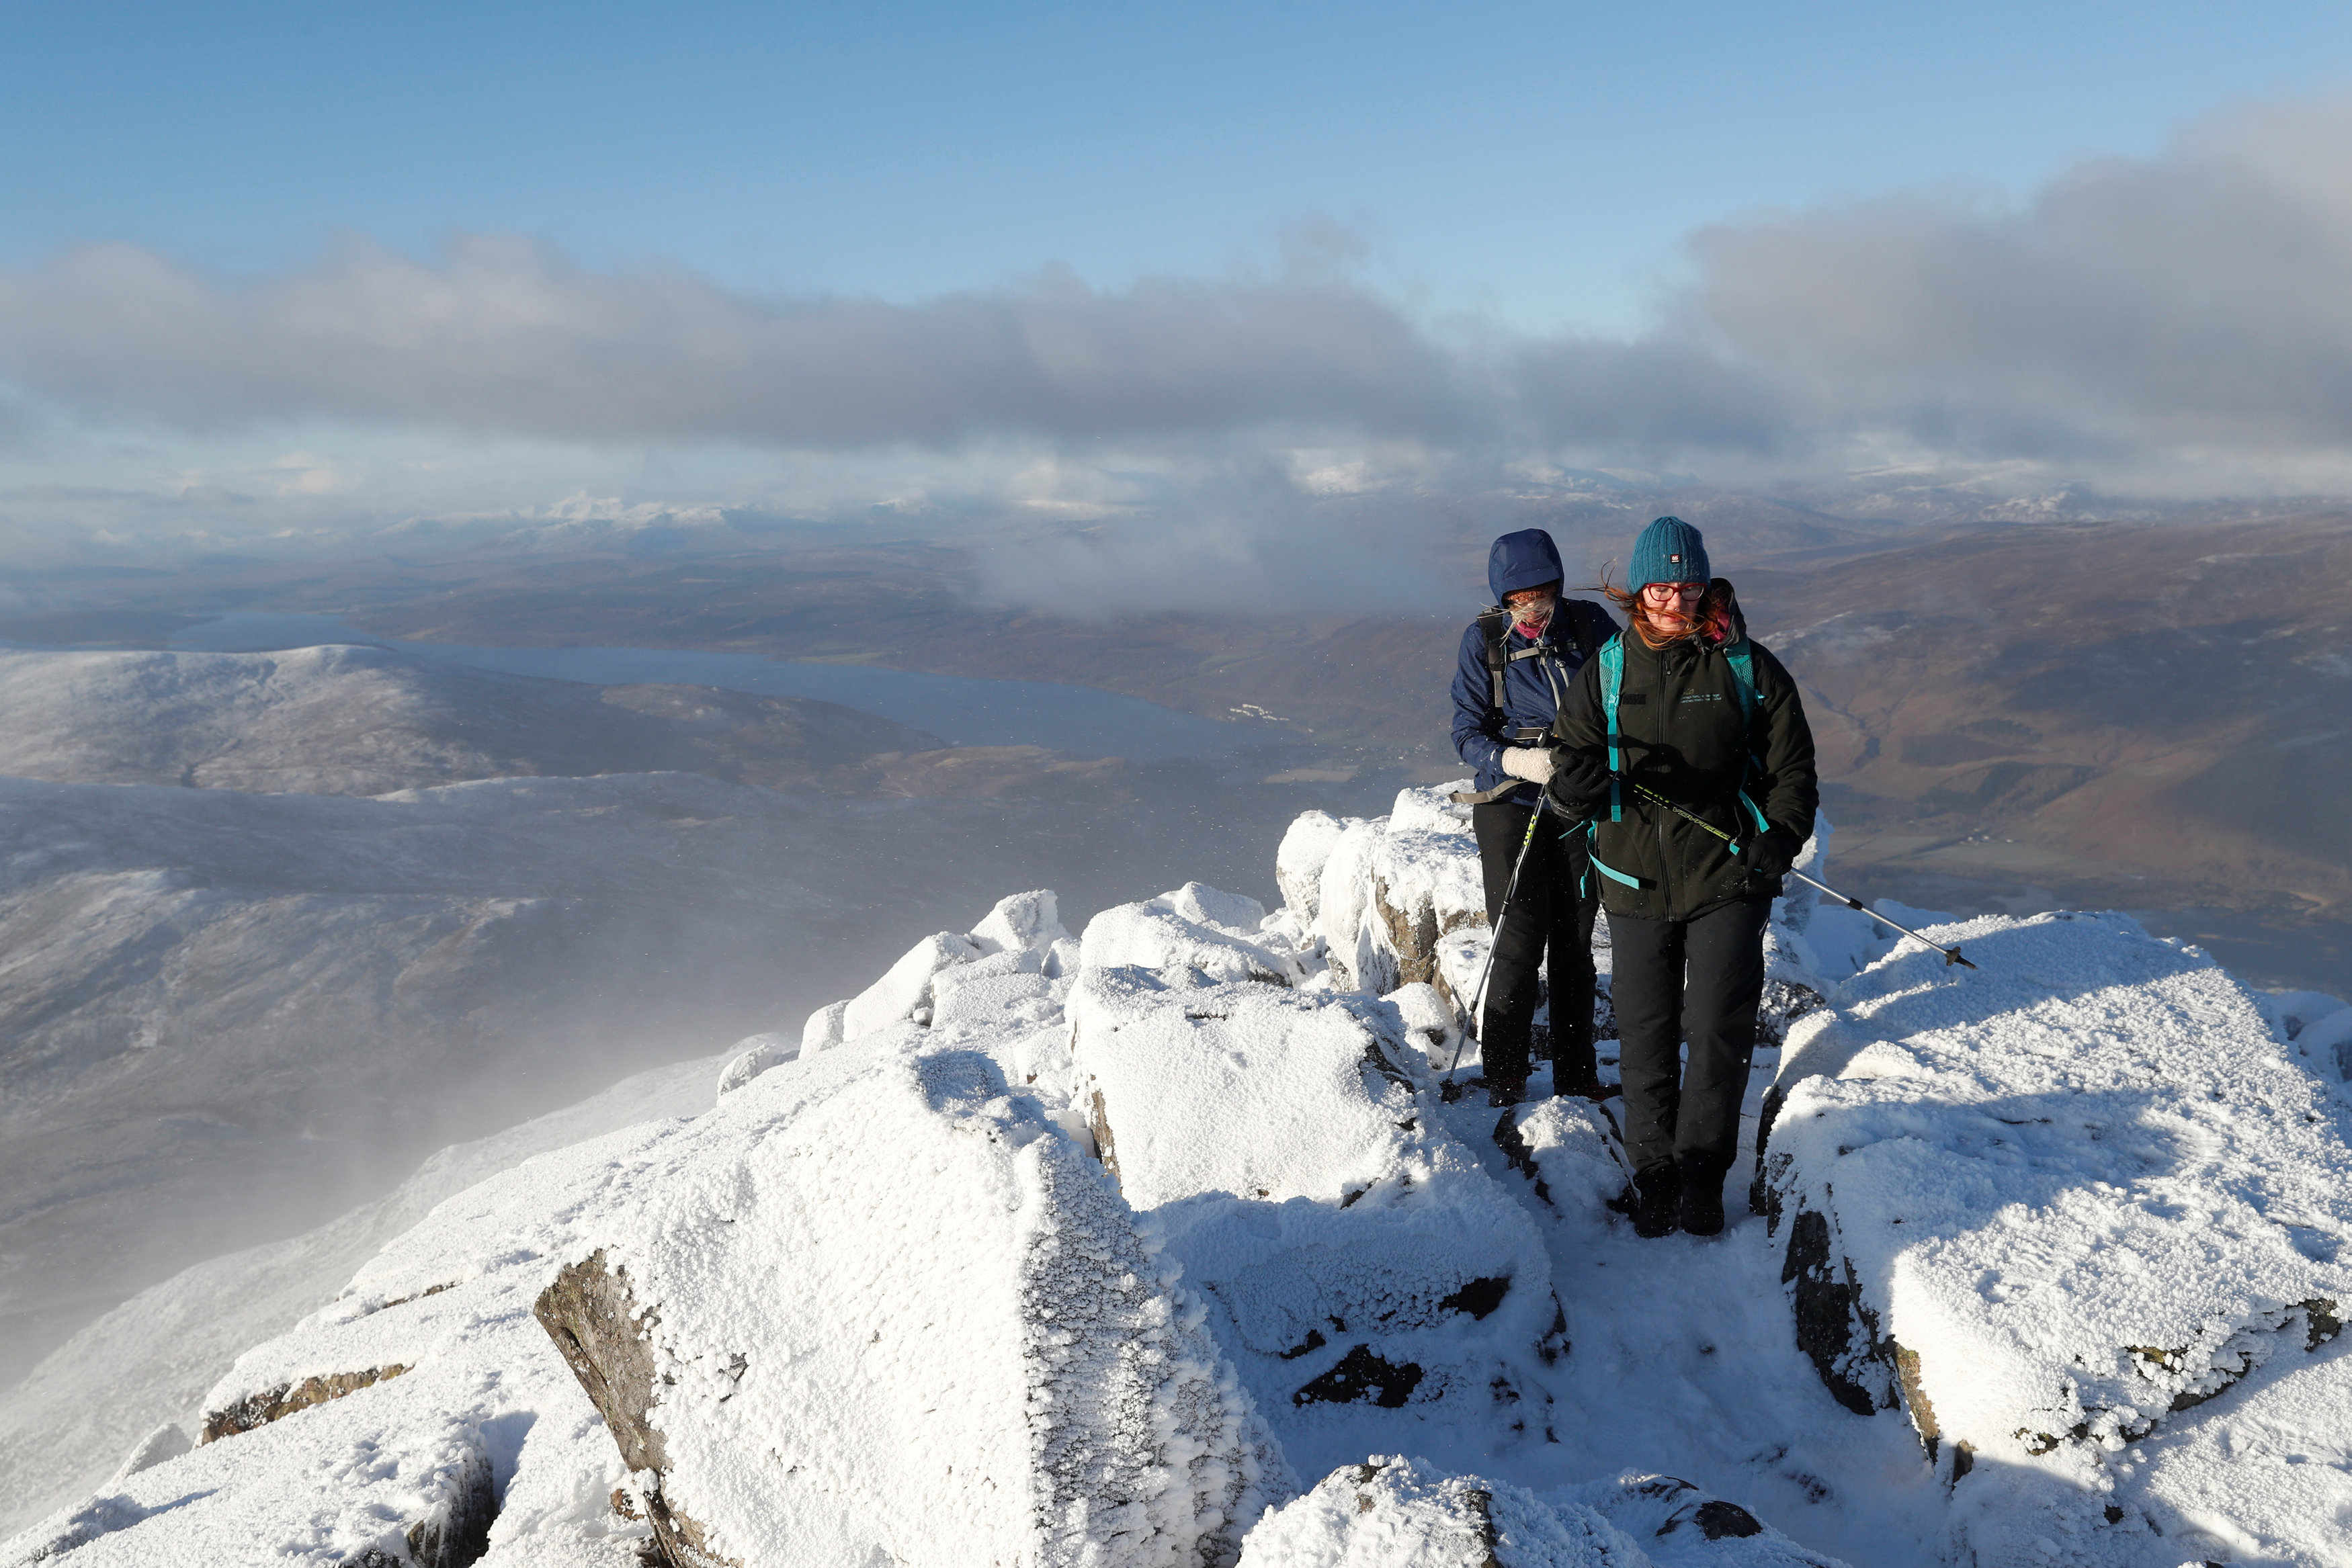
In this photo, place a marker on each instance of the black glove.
(1772, 854)
(1578, 781)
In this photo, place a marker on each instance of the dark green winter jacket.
(1681, 733)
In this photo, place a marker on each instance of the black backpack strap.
(1578, 618)
(1495, 622)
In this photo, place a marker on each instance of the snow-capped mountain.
(1164, 1243)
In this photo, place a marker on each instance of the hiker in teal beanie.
(1683, 707)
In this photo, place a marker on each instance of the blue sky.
(307, 271)
(1542, 162)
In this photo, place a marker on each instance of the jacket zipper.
(1657, 813)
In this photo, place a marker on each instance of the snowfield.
(1163, 1244)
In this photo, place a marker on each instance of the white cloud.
(2171, 326)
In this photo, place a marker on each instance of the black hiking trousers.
(1696, 980)
(1551, 913)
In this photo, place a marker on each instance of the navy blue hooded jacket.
(1532, 688)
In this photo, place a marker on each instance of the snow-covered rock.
(342, 1486)
(2050, 1204)
(1087, 1246)
(1397, 1512)
(1022, 935)
(1298, 861)
(1400, 899)
(1193, 935)
(752, 1055)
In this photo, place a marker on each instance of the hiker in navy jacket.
(1700, 715)
(1540, 640)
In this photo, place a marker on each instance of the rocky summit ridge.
(1162, 1244)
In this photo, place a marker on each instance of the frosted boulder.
(1087, 1413)
(1025, 931)
(824, 1027)
(1400, 900)
(1569, 1149)
(1195, 934)
(904, 991)
(334, 1485)
(1431, 1023)
(873, 1305)
(1028, 923)
(1285, 1142)
(2046, 1206)
(1398, 1512)
(1298, 861)
(754, 1054)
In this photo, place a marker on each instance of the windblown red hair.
(1712, 625)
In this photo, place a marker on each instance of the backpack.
(1494, 621)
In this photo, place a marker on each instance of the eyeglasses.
(1662, 591)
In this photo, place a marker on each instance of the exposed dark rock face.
(1718, 1520)
(276, 1404)
(1835, 1328)
(593, 1316)
(1361, 1374)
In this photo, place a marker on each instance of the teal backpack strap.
(1742, 660)
(1603, 867)
(1613, 679)
(1743, 673)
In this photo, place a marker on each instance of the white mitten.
(1532, 763)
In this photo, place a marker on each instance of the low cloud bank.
(2176, 324)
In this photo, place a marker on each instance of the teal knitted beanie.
(1669, 550)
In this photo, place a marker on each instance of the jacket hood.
(1524, 559)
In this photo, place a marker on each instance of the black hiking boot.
(1575, 1085)
(1501, 1092)
(1658, 1200)
(1702, 1206)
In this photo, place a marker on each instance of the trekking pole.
(1477, 995)
(1951, 955)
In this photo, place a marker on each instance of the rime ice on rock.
(333, 1485)
(2048, 1205)
(873, 1301)
(754, 1054)
(1397, 1512)
(1192, 935)
(1394, 893)
(1022, 935)
(1079, 1414)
